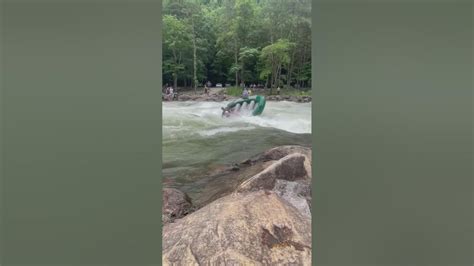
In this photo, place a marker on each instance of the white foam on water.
(252, 105)
(215, 131)
(204, 118)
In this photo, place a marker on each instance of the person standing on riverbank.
(171, 94)
(245, 93)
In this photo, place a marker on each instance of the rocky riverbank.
(219, 95)
(263, 215)
(290, 98)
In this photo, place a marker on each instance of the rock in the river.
(235, 167)
(176, 204)
(287, 171)
(282, 151)
(184, 98)
(253, 228)
(290, 167)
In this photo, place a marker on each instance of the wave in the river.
(196, 139)
(204, 119)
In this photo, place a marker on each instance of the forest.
(266, 42)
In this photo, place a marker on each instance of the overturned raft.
(256, 102)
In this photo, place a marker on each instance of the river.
(196, 139)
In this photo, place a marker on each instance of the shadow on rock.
(260, 215)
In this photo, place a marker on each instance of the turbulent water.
(196, 139)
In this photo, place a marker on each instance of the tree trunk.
(175, 72)
(242, 73)
(290, 68)
(194, 58)
(279, 75)
(303, 60)
(175, 80)
(272, 83)
(301, 65)
(236, 71)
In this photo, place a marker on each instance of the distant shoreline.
(219, 95)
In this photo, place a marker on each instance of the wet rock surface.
(240, 229)
(297, 193)
(176, 204)
(290, 167)
(261, 214)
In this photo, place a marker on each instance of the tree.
(235, 31)
(176, 43)
(264, 41)
(274, 56)
(248, 58)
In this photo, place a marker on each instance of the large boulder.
(176, 204)
(289, 177)
(291, 168)
(251, 228)
(223, 180)
(282, 151)
(260, 217)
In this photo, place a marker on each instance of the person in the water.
(225, 111)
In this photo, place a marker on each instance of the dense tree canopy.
(264, 42)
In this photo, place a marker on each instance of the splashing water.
(196, 138)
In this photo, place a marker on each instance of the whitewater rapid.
(183, 119)
(196, 139)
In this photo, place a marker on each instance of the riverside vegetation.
(266, 42)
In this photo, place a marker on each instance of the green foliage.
(277, 53)
(233, 41)
(294, 92)
(233, 91)
(175, 34)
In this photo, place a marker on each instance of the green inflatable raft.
(257, 102)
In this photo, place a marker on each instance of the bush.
(233, 91)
